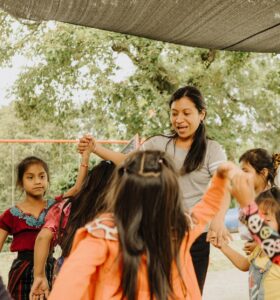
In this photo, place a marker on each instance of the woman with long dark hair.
(195, 156)
(140, 248)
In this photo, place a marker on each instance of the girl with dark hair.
(64, 218)
(263, 167)
(140, 249)
(25, 219)
(196, 157)
(262, 217)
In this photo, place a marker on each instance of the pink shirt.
(52, 220)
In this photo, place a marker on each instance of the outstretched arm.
(217, 231)
(211, 201)
(240, 261)
(88, 141)
(41, 252)
(83, 171)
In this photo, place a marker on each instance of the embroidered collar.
(103, 227)
(28, 218)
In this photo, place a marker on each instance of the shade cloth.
(246, 25)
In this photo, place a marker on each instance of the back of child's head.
(146, 203)
(25, 164)
(269, 202)
(260, 159)
(88, 202)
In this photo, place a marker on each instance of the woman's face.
(185, 118)
(259, 179)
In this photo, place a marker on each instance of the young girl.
(196, 158)
(25, 219)
(264, 261)
(263, 167)
(141, 250)
(64, 218)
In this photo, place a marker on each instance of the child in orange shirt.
(141, 248)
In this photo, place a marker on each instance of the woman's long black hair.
(150, 219)
(86, 204)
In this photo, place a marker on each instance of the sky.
(8, 77)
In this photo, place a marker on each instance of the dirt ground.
(223, 282)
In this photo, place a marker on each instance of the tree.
(69, 88)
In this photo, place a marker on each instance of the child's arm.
(87, 141)
(83, 171)
(41, 252)
(3, 237)
(211, 201)
(240, 261)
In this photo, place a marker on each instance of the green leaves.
(68, 87)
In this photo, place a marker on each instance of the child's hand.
(218, 234)
(242, 188)
(227, 170)
(86, 143)
(212, 239)
(39, 289)
(249, 247)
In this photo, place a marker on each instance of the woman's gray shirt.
(194, 184)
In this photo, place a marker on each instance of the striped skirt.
(21, 275)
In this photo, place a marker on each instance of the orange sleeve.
(74, 279)
(204, 211)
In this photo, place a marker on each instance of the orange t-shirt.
(93, 271)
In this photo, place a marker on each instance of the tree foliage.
(71, 86)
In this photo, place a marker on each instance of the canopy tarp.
(246, 25)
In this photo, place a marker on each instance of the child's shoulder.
(7, 212)
(103, 227)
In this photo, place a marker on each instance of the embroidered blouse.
(23, 226)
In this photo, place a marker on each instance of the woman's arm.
(88, 141)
